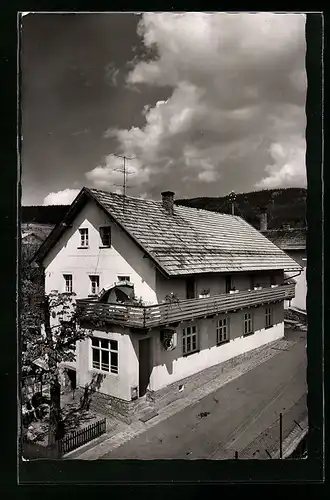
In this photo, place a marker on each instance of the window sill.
(269, 326)
(223, 342)
(95, 370)
(248, 334)
(190, 353)
(82, 248)
(105, 246)
(93, 295)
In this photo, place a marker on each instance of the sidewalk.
(120, 433)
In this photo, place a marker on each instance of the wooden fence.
(82, 436)
(72, 441)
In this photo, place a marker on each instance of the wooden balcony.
(171, 313)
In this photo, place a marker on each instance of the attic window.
(83, 237)
(105, 235)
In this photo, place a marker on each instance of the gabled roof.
(190, 241)
(288, 239)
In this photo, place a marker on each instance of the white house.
(167, 290)
(293, 242)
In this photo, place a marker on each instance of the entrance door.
(72, 375)
(190, 288)
(144, 365)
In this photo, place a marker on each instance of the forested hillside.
(49, 214)
(284, 206)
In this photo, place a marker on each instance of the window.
(269, 317)
(105, 235)
(95, 284)
(124, 278)
(83, 237)
(222, 330)
(190, 288)
(189, 340)
(68, 283)
(228, 284)
(248, 323)
(272, 279)
(105, 355)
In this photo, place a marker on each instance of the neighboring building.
(293, 242)
(167, 290)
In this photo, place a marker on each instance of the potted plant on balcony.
(233, 289)
(257, 286)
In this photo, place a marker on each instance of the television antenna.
(125, 173)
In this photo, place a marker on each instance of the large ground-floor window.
(105, 355)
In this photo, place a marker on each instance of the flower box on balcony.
(233, 291)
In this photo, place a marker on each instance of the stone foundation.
(109, 406)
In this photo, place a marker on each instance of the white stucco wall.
(117, 385)
(171, 366)
(301, 282)
(301, 291)
(122, 258)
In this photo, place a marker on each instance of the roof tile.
(193, 240)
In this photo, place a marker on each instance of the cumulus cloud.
(64, 197)
(237, 95)
(285, 169)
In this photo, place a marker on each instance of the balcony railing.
(168, 313)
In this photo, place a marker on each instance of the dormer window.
(83, 237)
(105, 235)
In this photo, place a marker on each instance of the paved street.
(243, 415)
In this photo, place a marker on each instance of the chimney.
(168, 201)
(263, 220)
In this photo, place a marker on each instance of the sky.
(202, 104)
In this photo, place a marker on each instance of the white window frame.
(269, 317)
(190, 339)
(68, 283)
(223, 330)
(92, 283)
(248, 323)
(101, 229)
(84, 237)
(112, 349)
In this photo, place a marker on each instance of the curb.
(293, 440)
